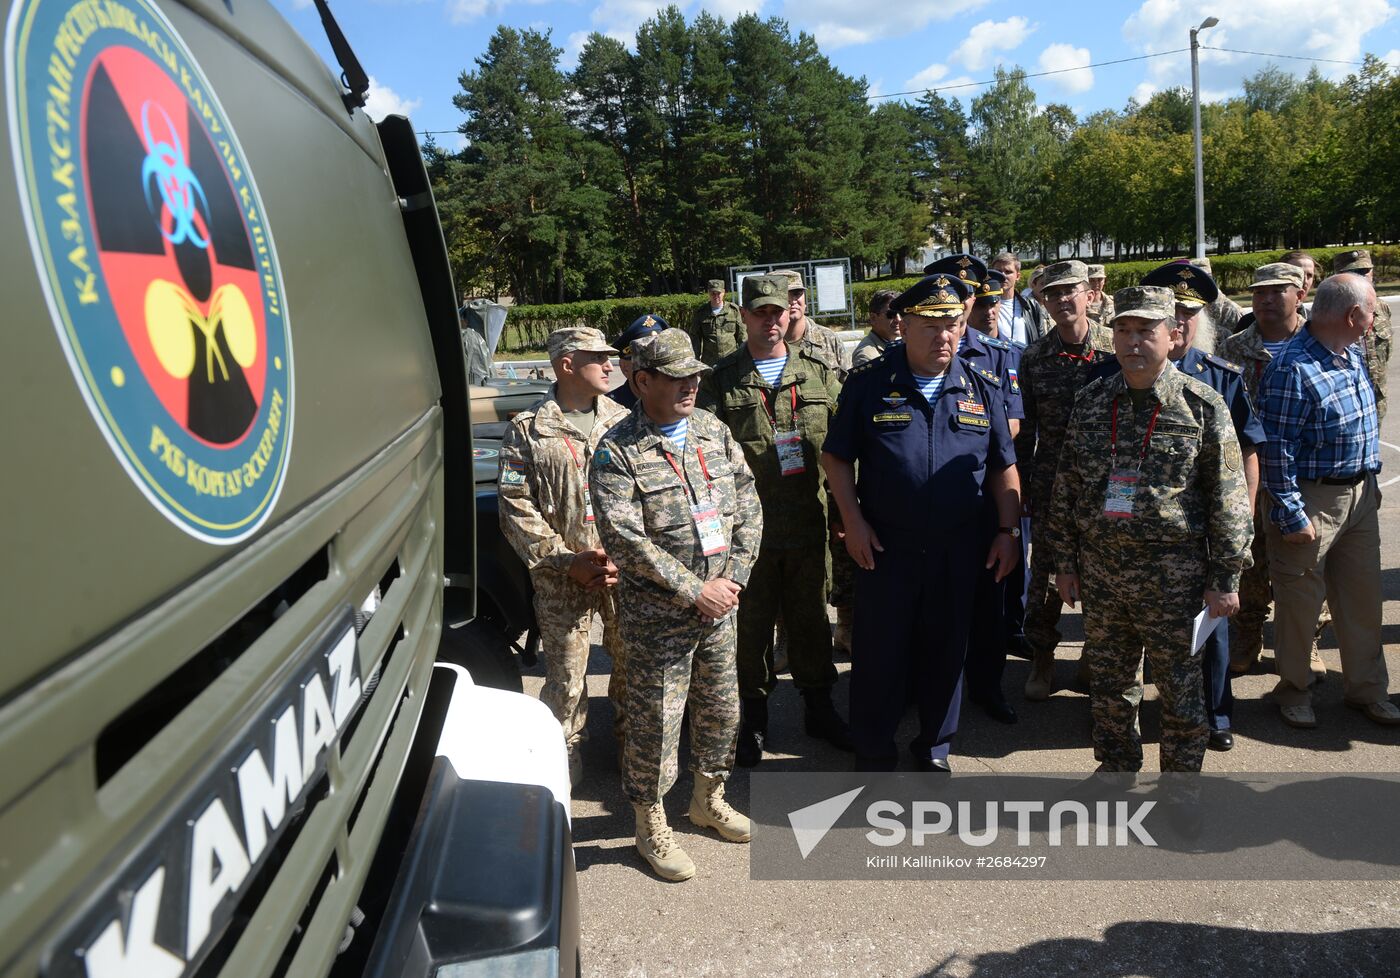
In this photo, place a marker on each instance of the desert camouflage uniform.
(870, 347)
(1102, 312)
(1377, 348)
(1050, 377)
(543, 490)
(674, 658)
(716, 335)
(790, 573)
(1142, 578)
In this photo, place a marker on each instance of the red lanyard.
(1113, 435)
(709, 481)
(773, 415)
(577, 463)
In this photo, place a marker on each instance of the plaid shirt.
(1319, 411)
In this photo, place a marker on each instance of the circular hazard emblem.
(158, 265)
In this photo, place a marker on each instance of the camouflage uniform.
(1247, 349)
(674, 658)
(828, 347)
(1142, 578)
(1051, 377)
(543, 492)
(1377, 347)
(788, 574)
(716, 334)
(1101, 312)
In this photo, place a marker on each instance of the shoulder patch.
(602, 456)
(1229, 365)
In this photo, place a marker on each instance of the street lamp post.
(1196, 132)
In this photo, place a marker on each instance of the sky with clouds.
(414, 50)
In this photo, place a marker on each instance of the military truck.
(235, 736)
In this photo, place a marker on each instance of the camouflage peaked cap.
(765, 290)
(1145, 302)
(1096, 271)
(1356, 260)
(1277, 273)
(573, 338)
(668, 352)
(715, 285)
(1071, 272)
(793, 276)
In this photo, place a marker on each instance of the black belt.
(1344, 480)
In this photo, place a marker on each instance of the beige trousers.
(1343, 565)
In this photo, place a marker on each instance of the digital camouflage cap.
(1145, 302)
(1277, 273)
(765, 290)
(573, 338)
(1356, 260)
(668, 352)
(1072, 272)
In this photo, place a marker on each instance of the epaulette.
(996, 341)
(1229, 365)
(989, 376)
(861, 368)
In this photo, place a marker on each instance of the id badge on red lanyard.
(709, 526)
(1120, 495)
(788, 444)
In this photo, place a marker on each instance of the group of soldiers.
(710, 507)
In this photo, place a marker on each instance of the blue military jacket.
(921, 466)
(1227, 380)
(997, 361)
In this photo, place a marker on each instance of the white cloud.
(1392, 58)
(976, 50)
(466, 11)
(1292, 27)
(875, 89)
(1143, 92)
(935, 76)
(731, 10)
(1059, 57)
(381, 101)
(839, 23)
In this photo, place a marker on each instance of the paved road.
(723, 923)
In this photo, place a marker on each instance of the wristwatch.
(1014, 531)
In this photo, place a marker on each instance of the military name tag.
(889, 417)
(1121, 493)
(788, 445)
(710, 528)
(969, 421)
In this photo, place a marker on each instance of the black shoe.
(996, 708)
(933, 765)
(750, 749)
(1221, 740)
(823, 722)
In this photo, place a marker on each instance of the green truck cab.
(236, 737)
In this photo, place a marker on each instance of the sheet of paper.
(831, 288)
(1202, 628)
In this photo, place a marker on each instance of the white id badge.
(789, 448)
(1121, 493)
(710, 527)
(587, 504)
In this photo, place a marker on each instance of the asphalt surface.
(723, 923)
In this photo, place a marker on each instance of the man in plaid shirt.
(1320, 467)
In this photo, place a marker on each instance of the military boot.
(709, 810)
(1042, 678)
(658, 846)
(845, 614)
(823, 722)
(753, 731)
(1245, 651)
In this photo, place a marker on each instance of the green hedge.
(528, 327)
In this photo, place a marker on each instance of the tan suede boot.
(709, 810)
(1041, 682)
(658, 846)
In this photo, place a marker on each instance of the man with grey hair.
(1321, 463)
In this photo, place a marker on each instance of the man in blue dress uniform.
(647, 325)
(930, 437)
(994, 618)
(1195, 290)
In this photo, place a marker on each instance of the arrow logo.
(811, 824)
